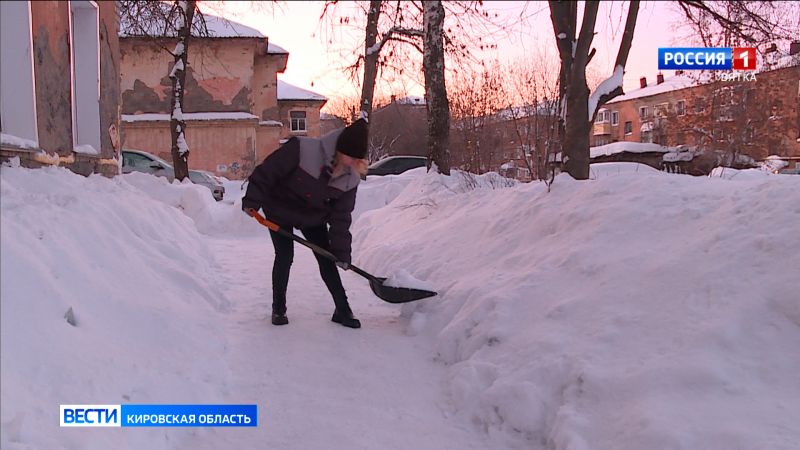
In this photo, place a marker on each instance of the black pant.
(284, 254)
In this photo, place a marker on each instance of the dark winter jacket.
(295, 189)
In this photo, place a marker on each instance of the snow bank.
(636, 311)
(209, 216)
(602, 170)
(144, 291)
(628, 147)
(16, 141)
(738, 174)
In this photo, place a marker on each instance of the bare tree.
(575, 52)
(740, 23)
(476, 98)
(435, 87)
(533, 87)
(392, 28)
(745, 21)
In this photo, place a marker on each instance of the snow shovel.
(387, 293)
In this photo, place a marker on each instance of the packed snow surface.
(639, 310)
(402, 278)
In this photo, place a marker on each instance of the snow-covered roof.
(151, 117)
(672, 83)
(541, 109)
(688, 79)
(274, 49)
(411, 100)
(270, 123)
(288, 91)
(629, 147)
(222, 27)
(218, 27)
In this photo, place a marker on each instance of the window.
(85, 73)
(699, 104)
(680, 107)
(298, 119)
(628, 127)
(17, 95)
(661, 109)
(614, 118)
(602, 116)
(644, 111)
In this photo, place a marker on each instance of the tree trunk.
(371, 53)
(577, 128)
(180, 150)
(435, 90)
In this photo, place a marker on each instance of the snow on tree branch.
(606, 88)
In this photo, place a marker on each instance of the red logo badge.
(744, 58)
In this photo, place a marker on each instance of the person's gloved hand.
(343, 265)
(249, 204)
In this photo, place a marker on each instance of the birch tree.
(392, 28)
(435, 88)
(160, 22)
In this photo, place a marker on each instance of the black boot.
(279, 319)
(345, 318)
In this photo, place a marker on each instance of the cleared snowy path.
(318, 384)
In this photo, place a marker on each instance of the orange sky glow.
(318, 52)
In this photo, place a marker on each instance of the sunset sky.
(318, 52)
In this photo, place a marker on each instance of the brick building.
(734, 119)
(236, 109)
(399, 128)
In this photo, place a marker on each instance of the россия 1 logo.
(700, 58)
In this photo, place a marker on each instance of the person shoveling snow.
(311, 184)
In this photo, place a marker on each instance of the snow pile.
(209, 216)
(143, 289)
(16, 141)
(627, 147)
(729, 173)
(602, 170)
(636, 311)
(86, 150)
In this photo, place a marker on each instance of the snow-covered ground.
(636, 310)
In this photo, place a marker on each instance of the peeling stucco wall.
(218, 78)
(51, 65)
(265, 85)
(110, 99)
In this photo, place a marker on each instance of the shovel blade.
(397, 294)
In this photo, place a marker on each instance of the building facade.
(60, 85)
(733, 117)
(236, 110)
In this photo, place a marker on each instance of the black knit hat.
(353, 140)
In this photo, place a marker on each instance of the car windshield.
(197, 177)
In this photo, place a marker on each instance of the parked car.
(395, 165)
(208, 180)
(139, 161)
